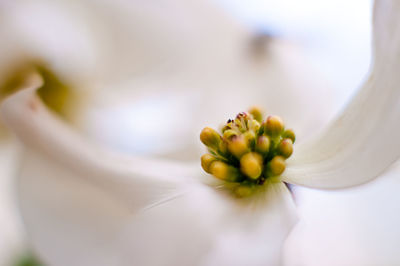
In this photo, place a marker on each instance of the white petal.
(76, 200)
(356, 226)
(82, 206)
(43, 132)
(363, 141)
(202, 228)
(72, 223)
(11, 230)
(256, 232)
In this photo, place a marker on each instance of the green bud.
(262, 144)
(238, 146)
(210, 137)
(289, 133)
(257, 113)
(277, 165)
(273, 126)
(251, 164)
(229, 133)
(223, 147)
(250, 137)
(206, 161)
(224, 171)
(285, 148)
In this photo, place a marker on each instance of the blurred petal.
(167, 116)
(45, 134)
(200, 72)
(83, 206)
(107, 42)
(73, 194)
(364, 140)
(11, 237)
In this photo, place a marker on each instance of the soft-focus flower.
(83, 206)
(152, 59)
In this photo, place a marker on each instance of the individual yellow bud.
(253, 125)
(229, 133)
(210, 137)
(223, 147)
(285, 148)
(257, 113)
(250, 137)
(251, 164)
(262, 144)
(238, 146)
(224, 171)
(206, 161)
(289, 133)
(244, 190)
(273, 126)
(277, 165)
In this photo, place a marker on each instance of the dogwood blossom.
(146, 211)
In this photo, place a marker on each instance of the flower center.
(55, 93)
(249, 151)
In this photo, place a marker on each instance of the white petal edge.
(364, 140)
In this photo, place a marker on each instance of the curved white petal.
(82, 206)
(43, 132)
(363, 141)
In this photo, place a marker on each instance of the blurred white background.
(336, 34)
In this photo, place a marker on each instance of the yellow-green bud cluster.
(249, 149)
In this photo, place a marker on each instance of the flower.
(133, 60)
(146, 206)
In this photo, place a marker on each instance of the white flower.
(84, 206)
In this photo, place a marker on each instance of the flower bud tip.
(273, 125)
(277, 165)
(251, 165)
(286, 148)
(224, 171)
(210, 137)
